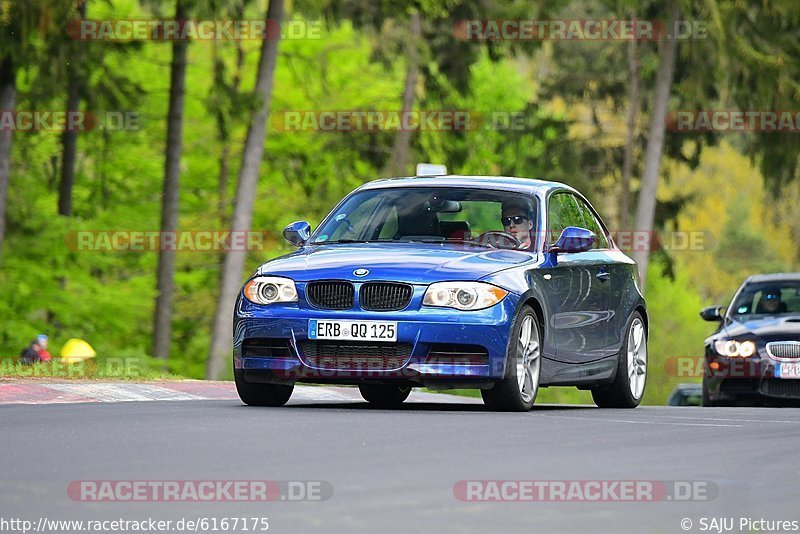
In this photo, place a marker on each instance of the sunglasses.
(516, 219)
(771, 296)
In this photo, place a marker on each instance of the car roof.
(774, 277)
(502, 183)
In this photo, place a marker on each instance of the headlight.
(466, 296)
(734, 349)
(270, 289)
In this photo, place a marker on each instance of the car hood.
(414, 263)
(769, 328)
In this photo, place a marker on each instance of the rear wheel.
(257, 394)
(627, 389)
(384, 396)
(517, 391)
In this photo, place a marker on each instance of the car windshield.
(767, 298)
(473, 217)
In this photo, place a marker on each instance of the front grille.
(442, 353)
(385, 296)
(266, 348)
(777, 387)
(330, 295)
(784, 350)
(355, 356)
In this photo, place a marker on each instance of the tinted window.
(768, 298)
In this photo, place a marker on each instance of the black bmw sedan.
(754, 355)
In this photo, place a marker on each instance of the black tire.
(506, 395)
(384, 396)
(257, 394)
(618, 394)
(727, 401)
(707, 397)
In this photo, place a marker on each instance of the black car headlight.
(466, 296)
(270, 289)
(734, 349)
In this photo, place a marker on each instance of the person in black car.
(770, 302)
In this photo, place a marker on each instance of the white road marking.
(120, 392)
(601, 419)
(728, 419)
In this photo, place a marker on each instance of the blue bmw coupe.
(501, 284)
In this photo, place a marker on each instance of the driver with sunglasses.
(516, 219)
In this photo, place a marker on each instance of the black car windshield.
(767, 298)
(475, 217)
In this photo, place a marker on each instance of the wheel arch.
(642, 310)
(534, 303)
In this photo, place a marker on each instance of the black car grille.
(442, 353)
(267, 348)
(355, 356)
(776, 387)
(385, 296)
(784, 350)
(330, 295)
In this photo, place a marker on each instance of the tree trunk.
(627, 164)
(646, 208)
(222, 124)
(8, 98)
(69, 139)
(398, 161)
(233, 265)
(162, 325)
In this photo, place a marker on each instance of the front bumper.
(728, 379)
(420, 329)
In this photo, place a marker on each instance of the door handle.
(603, 275)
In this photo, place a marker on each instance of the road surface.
(404, 470)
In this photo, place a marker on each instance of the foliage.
(570, 96)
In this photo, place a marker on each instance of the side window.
(562, 211)
(591, 223)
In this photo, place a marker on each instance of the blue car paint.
(584, 318)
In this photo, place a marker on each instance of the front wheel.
(257, 394)
(627, 389)
(517, 391)
(384, 396)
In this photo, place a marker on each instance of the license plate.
(352, 330)
(787, 370)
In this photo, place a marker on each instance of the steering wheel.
(496, 238)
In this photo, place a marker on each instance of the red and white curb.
(22, 392)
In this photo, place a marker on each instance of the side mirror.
(574, 239)
(297, 233)
(712, 313)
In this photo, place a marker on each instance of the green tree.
(241, 220)
(162, 322)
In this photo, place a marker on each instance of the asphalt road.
(395, 471)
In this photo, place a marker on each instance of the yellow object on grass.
(77, 350)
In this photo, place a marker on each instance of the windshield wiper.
(348, 241)
(344, 240)
(452, 242)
